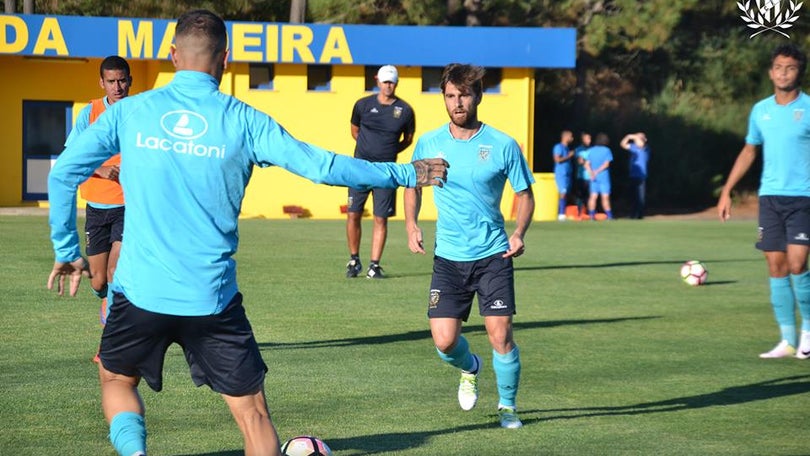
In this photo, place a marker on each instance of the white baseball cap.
(388, 73)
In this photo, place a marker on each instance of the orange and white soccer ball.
(694, 273)
(305, 445)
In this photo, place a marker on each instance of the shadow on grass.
(425, 333)
(733, 395)
(624, 264)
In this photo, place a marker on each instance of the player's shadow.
(620, 264)
(425, 333)
(733, 395)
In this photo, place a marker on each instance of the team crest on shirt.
(397, 112)
(798, 114)
(483, 152)
(434, 298)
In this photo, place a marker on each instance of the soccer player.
(562, 169)
(598, 166)
(636, 144)
(104, 225)
(187, 153)
(473, 253)
(383, 126)
(780, 125)
(583, 184)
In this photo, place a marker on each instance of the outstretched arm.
(413, 203)
(626, 140)
(525, 212)
(741, 166)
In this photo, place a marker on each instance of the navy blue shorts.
(455, 283)
(220, 349)
(783, 220)
(102, 227)
(385, 201)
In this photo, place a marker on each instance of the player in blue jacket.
(187, 153)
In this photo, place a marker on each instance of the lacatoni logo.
(185, 127)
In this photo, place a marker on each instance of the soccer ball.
(694, 273)
(305, 445)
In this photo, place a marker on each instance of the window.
(371, 79)
(432, 79)
(45, 128)
(261, 76)
(492, 80)
(319, 78)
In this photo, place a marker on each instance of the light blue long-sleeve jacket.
(187, 154)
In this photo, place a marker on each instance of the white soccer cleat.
(509, 418)
(804, 346)
(561, 217)
(468, 387)
(782, 350)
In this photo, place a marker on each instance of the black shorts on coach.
(385, 201)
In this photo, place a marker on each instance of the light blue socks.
(459, 356)
(801, 289)
(783, 308)
(507, 374)
(128, 434)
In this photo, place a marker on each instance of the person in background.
(383, 126)
(583, 180)
(636, 144)
(562, 169)
(598, 166)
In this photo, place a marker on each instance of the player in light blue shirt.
(473, 253)
(780, 125)
(563, 155)
(187, 154)
(598, 166)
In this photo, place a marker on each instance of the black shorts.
(385, 201)
(455, 283)
(102, 227)
(220, 349)
(783, 220)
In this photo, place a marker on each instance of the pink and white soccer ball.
(694, 273)
(305, 445)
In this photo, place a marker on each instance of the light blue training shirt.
(470, 225)
(783, 131)
(187, 153)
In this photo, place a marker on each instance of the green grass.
(619, 357)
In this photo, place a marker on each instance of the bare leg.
(499, 331)
(606, 202)
(112, 261)
(119, 393)
(445, 332)
(378, 237)
(253, 419)
(354, 231)
(98, 269)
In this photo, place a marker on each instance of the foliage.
(685, 69)
(619, 356)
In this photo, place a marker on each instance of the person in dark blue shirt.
(636, 144)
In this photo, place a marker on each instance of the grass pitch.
(619, 357)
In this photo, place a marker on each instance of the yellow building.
(306, 76)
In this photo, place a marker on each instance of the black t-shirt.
(381, 127)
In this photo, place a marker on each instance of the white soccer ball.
(305, 445)
(694, 273)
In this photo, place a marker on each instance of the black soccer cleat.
(375, 272)
(353, 267)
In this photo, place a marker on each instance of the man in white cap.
(383, 126)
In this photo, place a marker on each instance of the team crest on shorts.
(397, 112)
(351, 200)
(483, 152)
(434, 298)
(760, 233)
